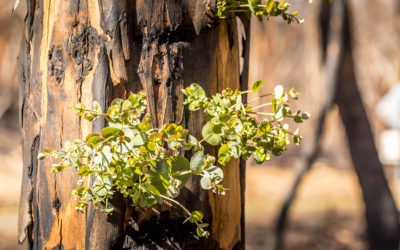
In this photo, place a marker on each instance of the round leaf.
(194, 105)
(257, 85)
(178, 164)
(197, 90)
(223, 150)
(211, 139)
(205, 182)
(91, 135)
(109, 131)
(197, 163)
(95, 140)
(278, 91)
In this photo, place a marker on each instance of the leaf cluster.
(147, 165)
(259, 8)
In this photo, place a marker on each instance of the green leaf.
(201, 232)
(41, 156)
(97, 107)
(205, 182)
(264, 128)
(103, 189)
(217, 128)
(297, 119)
(259, 158)
(281, 113)
(224, 117)
(224, 154)
(238, 126)
(151, 146)
(117, 101)
(197, 162)
(209, 136)
(216, 172)
(197, 216)
(95, 140)
(251, 6)
(160, 177)
(133, 98)
(114, 125)
(194, 105)
(84, 171)
(108, 210)
(234, 149)
(78, 108)
(193, 142)
(278, 90)
(106, 150)
(257, 85)
(138, 140)
(178, 164)
(296, 139)
(109, 131)
(198, 90)
(305, 116)
(223, 150)
(91, 135)
(89, 116)
(269, 5)
(127, 105)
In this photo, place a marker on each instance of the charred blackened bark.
(84, 50)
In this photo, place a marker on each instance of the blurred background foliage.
(328, 211)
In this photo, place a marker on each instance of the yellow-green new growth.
(146, 164)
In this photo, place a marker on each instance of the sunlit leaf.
(209, 135)
(257, 85)
(109, 131)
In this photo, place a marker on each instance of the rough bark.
(80, 51)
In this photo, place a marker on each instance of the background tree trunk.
(381, 214)
(84, 50)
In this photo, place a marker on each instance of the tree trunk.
(381, 213)
(79, 51)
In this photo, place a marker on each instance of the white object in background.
(389, 147)
(388, 108)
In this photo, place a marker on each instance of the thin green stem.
(260, 106)
(205, 138)
(257, 98)
(173, 201)
(180, 173)
(245, 92)
(261, 113)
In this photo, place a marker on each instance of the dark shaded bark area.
(80, 51)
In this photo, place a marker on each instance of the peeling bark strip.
(84, 50)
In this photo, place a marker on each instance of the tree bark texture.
(83, 50)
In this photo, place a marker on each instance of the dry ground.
(327, 214)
